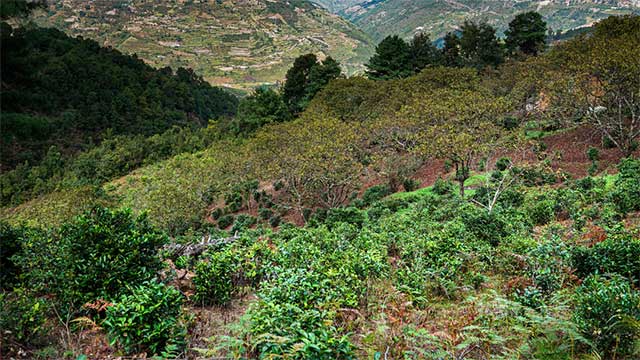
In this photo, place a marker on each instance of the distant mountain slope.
(380, 18)
(236, 43)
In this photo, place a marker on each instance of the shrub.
(443, 187)
(225, 221)
(626, 195)
(348, 215)
(97, 255)
(265, 214)
(216, 213)
(410, 184)
(603, 308)
(375, 193)
(503, 163)
(275, 220)
(147, 319)
(486, 226)
(22, 318)
(619, 254)
(541, 212)
(10, 245)
(243, 222)
(213, 281)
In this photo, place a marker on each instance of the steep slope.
(235, 43)
(380, 18)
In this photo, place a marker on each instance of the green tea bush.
(443, 187)
(618, 254)
(265, 214)
(548, 265)
(626, 195)
(97, 255)
(541, 210)
(243, 222)
(149, 319)
(375, 193)
(23, 318)
(10, 244)
(213, 281)
(410, 184)
(503, 163)
(275, 220)
(605, 311)
(225, 221)
(486, 226)
(349, 215)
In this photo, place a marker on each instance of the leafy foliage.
(149, 318)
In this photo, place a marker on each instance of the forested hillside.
(475, 201)
(66, 92)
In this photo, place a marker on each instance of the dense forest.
(476, 200)
(70, 92)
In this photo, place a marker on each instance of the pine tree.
(423, 53)
(392, 60)
(526, 33)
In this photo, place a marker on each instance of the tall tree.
(479, 45)
(297, 81)
(306, 78)
(451, 50)
(392, 60)
(526, 33)
(263, 107)
(423, 52)
(320, 75)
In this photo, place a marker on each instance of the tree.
(455, 121)
(392, 60)
(601, 80)
(423, 53)
(319, 77)
(306, 77)
(263, 107)
(297, 80)
(451, 50)
(316, 158)
(526, 33)
(479, 46)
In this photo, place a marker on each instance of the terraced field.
(233, 43)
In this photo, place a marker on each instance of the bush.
(243, 222)
(265, 214)
(443, 187)
(503, 163)
(216, 213)
(10, 245)
(275, 220)
(375, 193)
(410, 184)
(619, 254)
(348, 215)
(541, 212)
(626, 195)
(225, 221)
(603, 308)
(486, 226)
(22, 318)
(213, 281)
(97, 255)
(147, 319)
